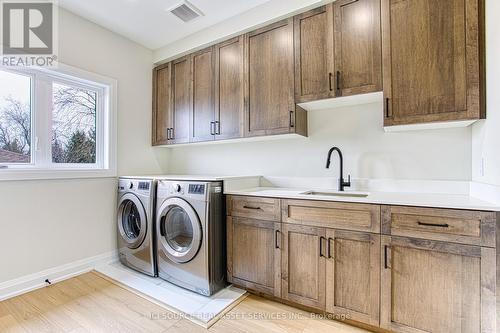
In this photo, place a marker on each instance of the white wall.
(486, 134)
(53, 222)
(368, 151)
(270, 11)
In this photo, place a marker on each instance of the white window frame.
(41, 166)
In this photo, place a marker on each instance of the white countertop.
(456, 201)
(206, 178)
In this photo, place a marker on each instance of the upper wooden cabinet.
(181, 100)
(270, 80)
(338, 50)
(230, 93)
(202, 119)
(427, 56)
(432, 60)
(314, 62)
(358, 47)
(162, 104)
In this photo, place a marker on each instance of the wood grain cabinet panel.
(254, 207)
(230, 92)
(202, 118)
(253, 255)
(314, 67)
(459, 226)
(353, 275)
(162, 104)
(303, 265)
(432, 60)
(430, 286)
(270, 80)
(182, 100)
(358, 47)
(357, 217)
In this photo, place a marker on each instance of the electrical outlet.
(482, 167)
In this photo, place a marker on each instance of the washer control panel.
(196, 188)
(133, 185)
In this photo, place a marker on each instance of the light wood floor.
(89, 303)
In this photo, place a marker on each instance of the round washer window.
(178, 229)
(131, 220)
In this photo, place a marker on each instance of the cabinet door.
(353, 275)
(230, 89)
(430, 286)
(203, 123)
(313, 35)
(182, 99)
(270, 80)
(432, 59)
(162, 104)
(253, 255)
(303, 265)
(358, 47)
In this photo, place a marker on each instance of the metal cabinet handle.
(321, 246)
(291, 120)
(339, 88)
(169, 133)
(330, 77)
(276, 235)
(387, 256)
(329, 247)
(217, 127)
(212, 128)
(387, 113)
(172, 133)
(445, 225)
(250, 207)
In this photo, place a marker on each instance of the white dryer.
(190, 233)
(136, 233)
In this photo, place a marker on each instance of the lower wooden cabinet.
(253, 255)
(430, 286)
(407, 284)
(303, 265)
(333, 270)
(353, 275)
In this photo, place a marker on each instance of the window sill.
(44, 174)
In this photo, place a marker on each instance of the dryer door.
(179, 230)
(132, 221)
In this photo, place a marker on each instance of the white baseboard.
(34, 281)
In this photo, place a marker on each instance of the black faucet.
(342, 183)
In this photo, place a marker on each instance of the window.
(15, 118)
(55, 124)
(73, 124)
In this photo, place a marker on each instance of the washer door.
(179, 230)
(132, 222)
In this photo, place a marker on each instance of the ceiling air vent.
(186, 11)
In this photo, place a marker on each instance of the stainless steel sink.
(337, 194)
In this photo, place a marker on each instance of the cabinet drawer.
(337, 215)
(459, 226)
(254, 207)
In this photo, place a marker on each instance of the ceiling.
(149, 23)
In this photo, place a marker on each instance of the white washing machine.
(190, 233)
(136, 233)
